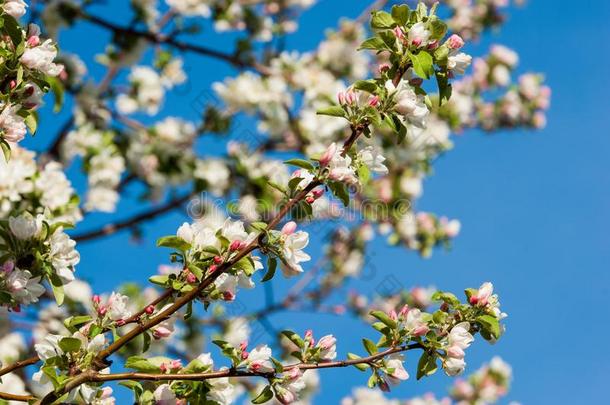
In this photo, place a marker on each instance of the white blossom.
(14, 8)
(409, 104)
(41, 58)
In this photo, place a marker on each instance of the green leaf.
(339, 190)
(32, 122)
(12, 27)
(141, 364)
(58, 92)
(381, 20)
(401, 14)
(70, 344)
(333, 111)
(359, 366)
(437, 27)
(173, 242)
(195, 366)
(6, 149)
(58, 288)
(74, 321)
(302, 163)
(265, 395)
(444, 88)
(426, 365)
(372, 382)
(383, 317)
(364, 174)
(146, 340)
(490, 324)
(279, 367)
(374, 43)
(294, 338)
(370, 347)
(366, 85)
(159, 279)
(196, 270)
(447, 297)
(272, 266)
(423, 64)
(246, 265)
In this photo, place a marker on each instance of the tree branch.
(18, 365)
(231, 372)
(112, 228)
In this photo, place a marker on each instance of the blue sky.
(533, 206)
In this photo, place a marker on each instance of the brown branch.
(15, 397)
(112, 228)
(18, 365)
(232, 372)
(160, 38)
(180, 302)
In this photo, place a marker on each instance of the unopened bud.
(455, 42)
(33, 41)
(149, 309)
(289, 228)
(236, 245)
(217, 259)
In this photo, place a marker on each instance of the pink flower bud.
(228, 296)
(350, 97)
(236, 245)
(149, 309)
(310, 199)
(456, 352)
(374, 101)
(243, 345)
(399, 33)
(175, 364)
(383, 386)
(245, 355)
(96, 299)
(33, 41)
(328, 154)
(217, 259)
(8, 266)
(416, 81)
(102, 310)
(455, 42)
(161, 332)
(421, 330)
(341, 97)
(120, 322)
(393, 315)
(12, 84)
(416, 42)
(384, 67)
(289, 228)
(189, 276)
(404, 310)
(212, 269)
(317, 193)
(164, 368)
(433, 45)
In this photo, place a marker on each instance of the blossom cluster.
(30, 72)
(485, 386)
(34, 251)
(391, 129)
